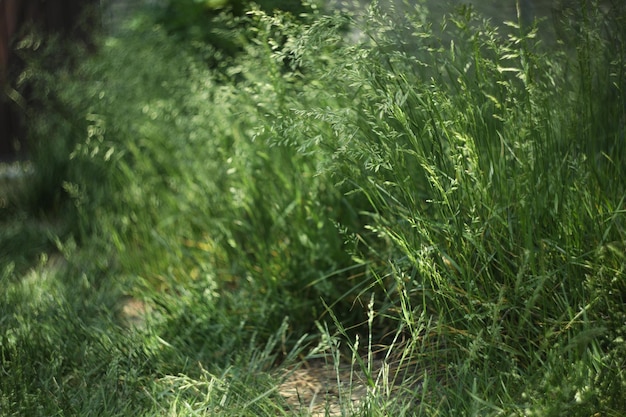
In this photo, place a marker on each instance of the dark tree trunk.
(50, 16)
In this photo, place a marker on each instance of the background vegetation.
(452, 208)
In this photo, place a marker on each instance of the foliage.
(219, 25)
(452, 196)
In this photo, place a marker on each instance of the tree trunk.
(50, 16)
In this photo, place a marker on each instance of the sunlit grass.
(443, 219)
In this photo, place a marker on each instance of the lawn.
(265, 216)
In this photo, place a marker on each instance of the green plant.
(219, 27)
(480, 191)
(451, 205)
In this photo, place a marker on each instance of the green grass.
(455, 209)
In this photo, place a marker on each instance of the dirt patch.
(319, 388)
(132, 313)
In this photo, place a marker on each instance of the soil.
(321, 388)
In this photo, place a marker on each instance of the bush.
(220, 25)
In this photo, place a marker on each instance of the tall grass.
(484, 169)
(452, 196)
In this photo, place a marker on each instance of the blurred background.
(81, 20)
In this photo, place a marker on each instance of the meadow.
(429, 216)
